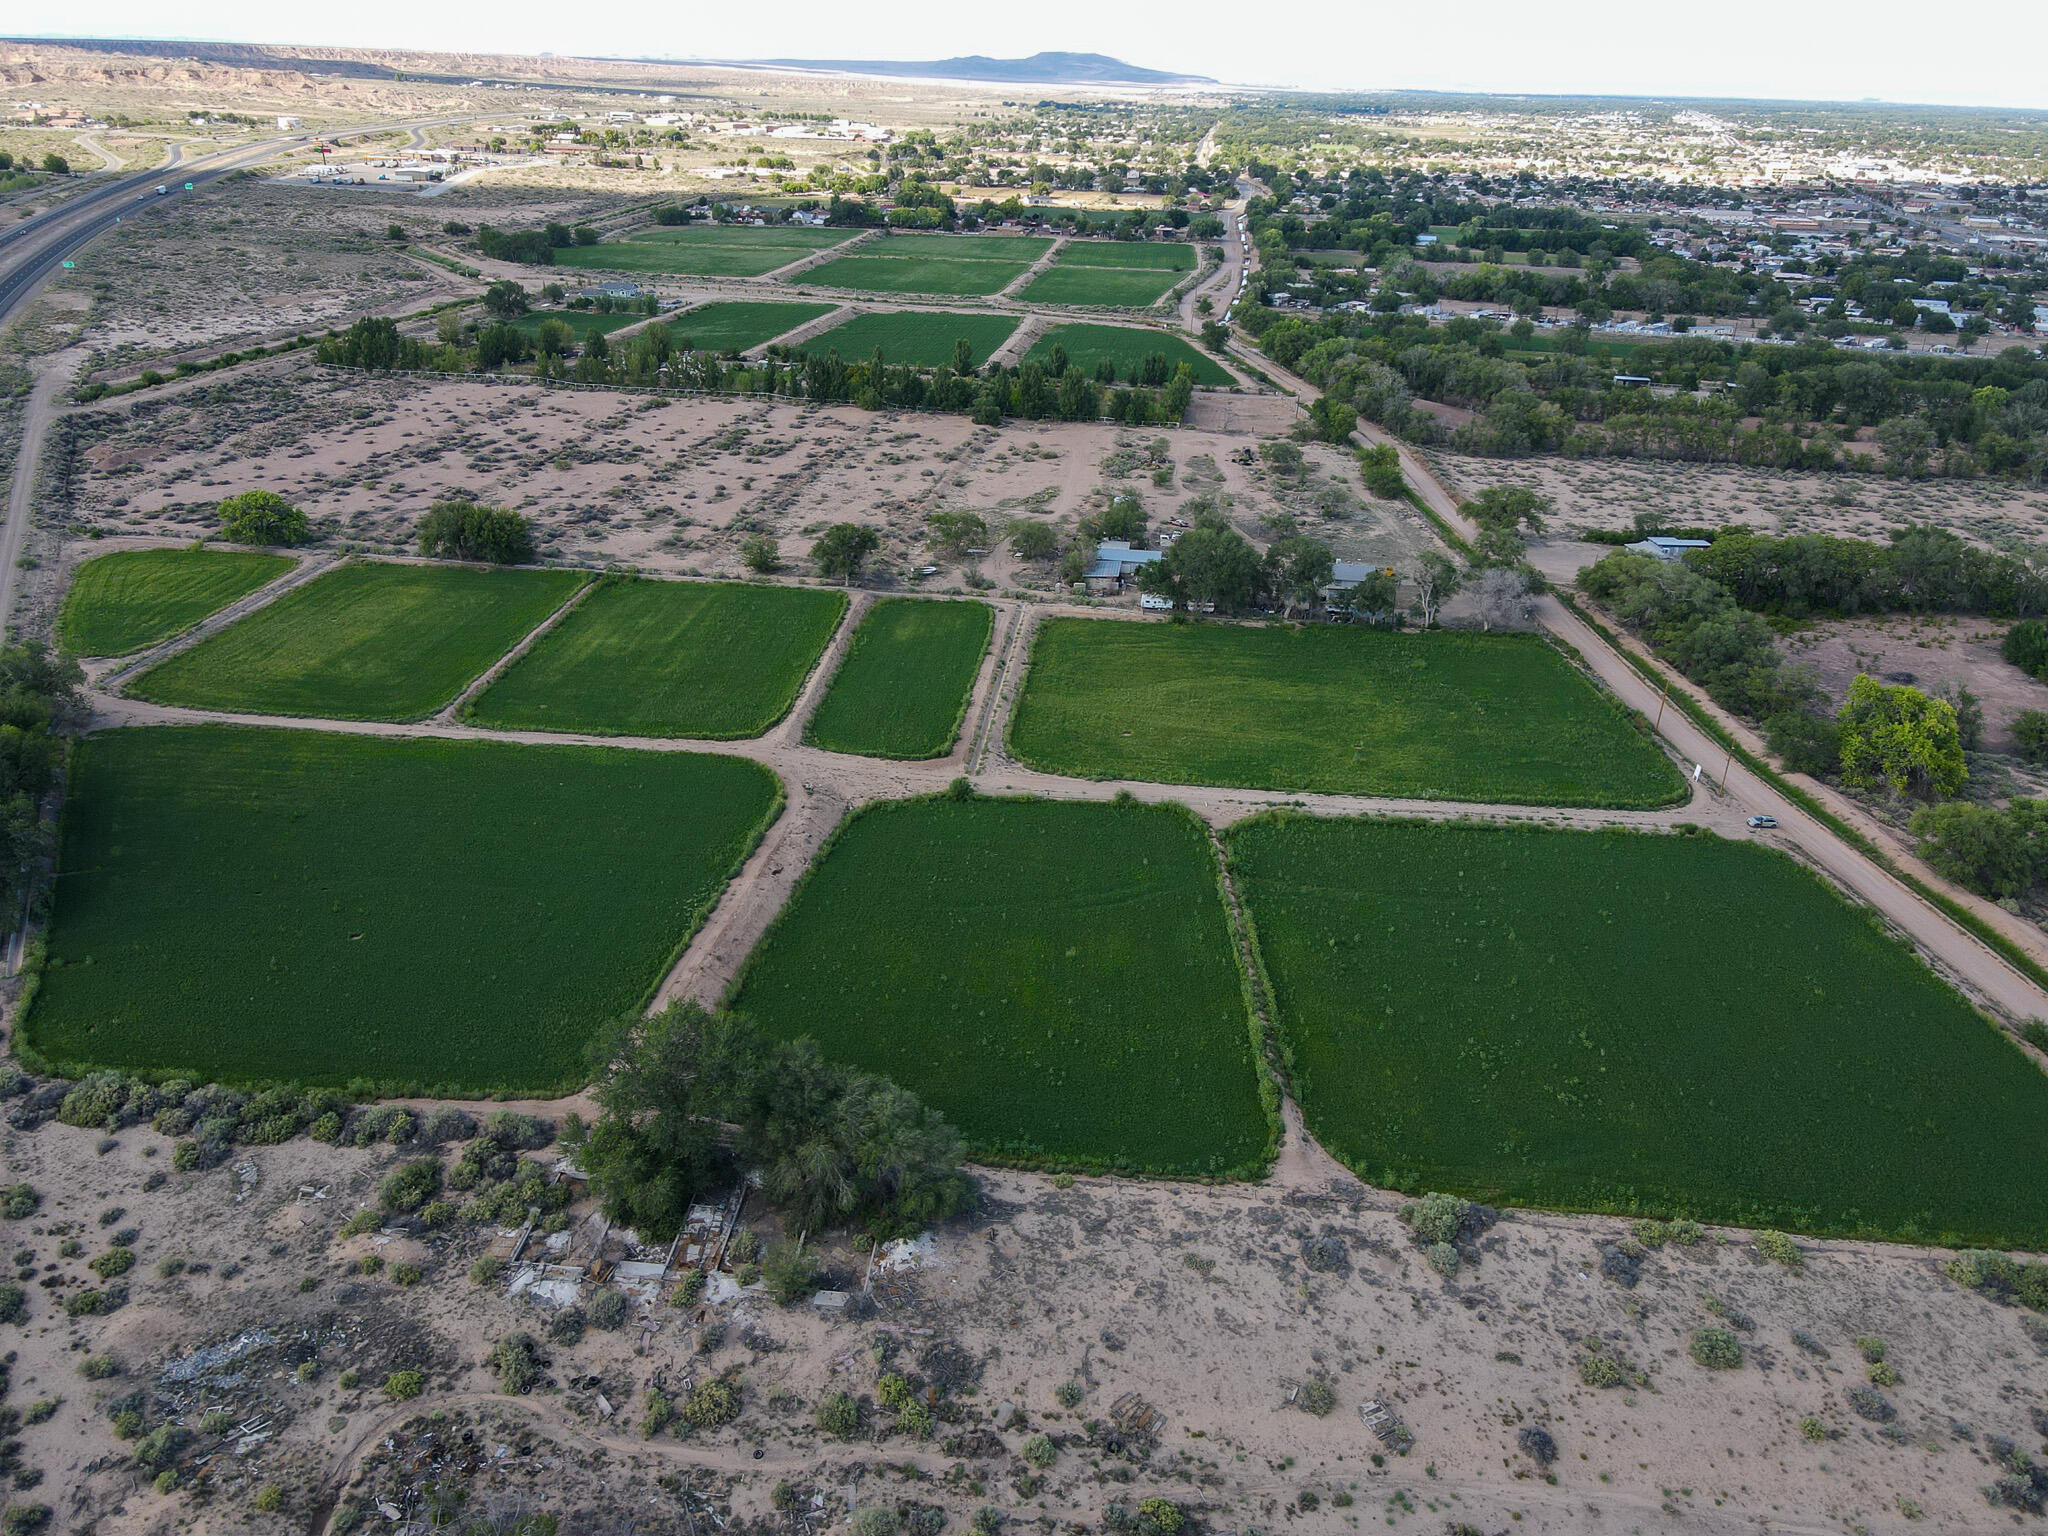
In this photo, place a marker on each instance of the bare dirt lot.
(1213, 1306)
(1609, 494)
(673, 484)
(221, 268)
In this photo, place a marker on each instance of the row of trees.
(1923, 569)
(533, 247)
(1885, 738)
(689, 1098)
(1785, 407)
(652, 359)
(38, 699)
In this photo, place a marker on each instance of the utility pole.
(1724, 770)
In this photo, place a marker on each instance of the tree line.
(1159, 393)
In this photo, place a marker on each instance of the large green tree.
(832, 1145)
(843, 549)
(462, 530)
(261, 517)
(1894, 736)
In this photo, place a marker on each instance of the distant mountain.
(1039, 69)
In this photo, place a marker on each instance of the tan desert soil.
(1609, 493)
(1209, 1303)
(668, 484)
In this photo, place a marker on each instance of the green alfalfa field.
(132, 599)
(711, 660)
(1055, 977)
(1331, 709)
(368, 640)
(1633, 1022)
(241, 904)
(902, 689)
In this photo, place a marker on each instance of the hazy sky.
(1993, 52)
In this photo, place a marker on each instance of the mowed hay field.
(902, 689)
(913, 337)
(366, 641)
(1055, 977)
(703, 252)
(582, 323)
(455, 916)
(133, 598)
(1120, 287)
(957, 264)
(1125, 348)
(1634, 1022)
(710, 660)
(738, 324)
(1133, 254)
(1328, 710)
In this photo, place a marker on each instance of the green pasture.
(452, 917)
(739, 325)
(1055, 977)
(1122, 287)
(1125, 347)
(922, 338)
(134, 598)
(365, 641)
(911, 274)
(1442, 715)
(902, 689)
(701, 659)
(1634, 1022)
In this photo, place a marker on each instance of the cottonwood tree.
(831, 1144)
(844, 549)
(1297, 570)
(1503, 596)
(462, 530)
(1437, 581)
(261, 517)
(1894, 736)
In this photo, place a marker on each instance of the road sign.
(70, 264)
(188, 186)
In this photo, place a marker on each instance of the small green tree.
(262, 517)
(1040, 541)
(759, 554)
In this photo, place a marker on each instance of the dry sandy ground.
(1609, 493)
(1938, 651)
(257, 261)
(672, 484)
(1207, 1302)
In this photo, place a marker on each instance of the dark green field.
(1120, 287)
(582, 323)
(691, 260)
(1126, 347)
(709, 660)
(794, 238)
(1633, 1022)
(242, 904)
(921, 338)
(1053, 977)
(911, 274)
(363, 642)
(1133, 254)
(1442, 715)
(739, 324)
(903, 687)
(1018, 250)
(133, 598)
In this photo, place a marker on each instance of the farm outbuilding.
(1116, 562)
